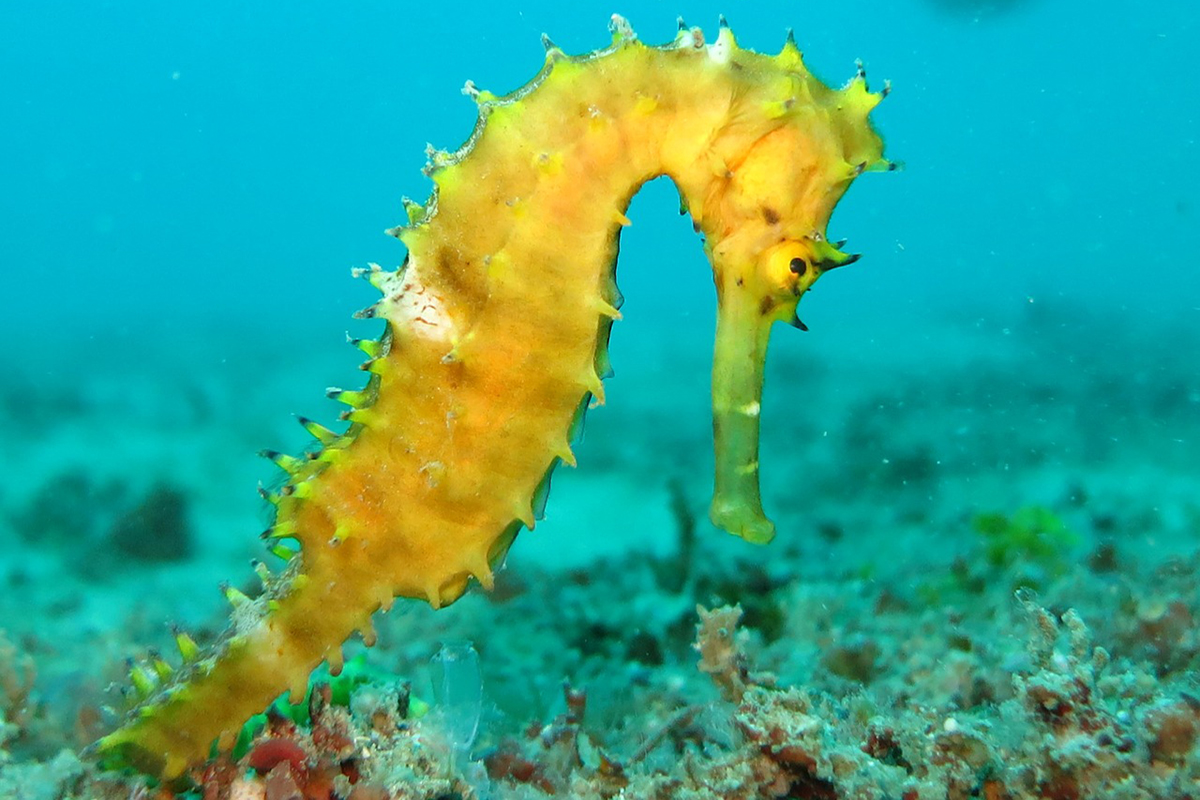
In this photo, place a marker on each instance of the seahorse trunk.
(496, 341)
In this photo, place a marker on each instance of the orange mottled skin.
(497, 327)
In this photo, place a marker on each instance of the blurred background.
(164, 164)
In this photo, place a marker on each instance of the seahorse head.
(770, 211)
(790, 147)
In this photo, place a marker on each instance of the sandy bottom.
(918, 481)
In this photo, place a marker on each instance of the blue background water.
(170, 162)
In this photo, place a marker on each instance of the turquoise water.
(221, 158)
(185, 187)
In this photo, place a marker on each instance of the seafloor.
(984, 583)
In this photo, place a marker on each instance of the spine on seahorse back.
(496, 336)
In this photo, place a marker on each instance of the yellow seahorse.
(496, 343)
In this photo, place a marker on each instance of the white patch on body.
(413, 307)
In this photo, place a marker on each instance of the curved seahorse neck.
(496, 341)
(760, 150)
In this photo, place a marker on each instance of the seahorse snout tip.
(741, 520)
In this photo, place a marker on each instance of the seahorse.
(496, 343)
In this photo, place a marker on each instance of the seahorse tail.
(273, 641)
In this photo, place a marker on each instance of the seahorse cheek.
(779, 179)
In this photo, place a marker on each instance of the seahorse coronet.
(495, 344)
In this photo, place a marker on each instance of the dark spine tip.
(722, 22)
(683, 26)
(796, 323)
(548, 43)
(791, 38)
(844, 261)
(270, 455)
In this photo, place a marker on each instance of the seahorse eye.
(788, 268)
